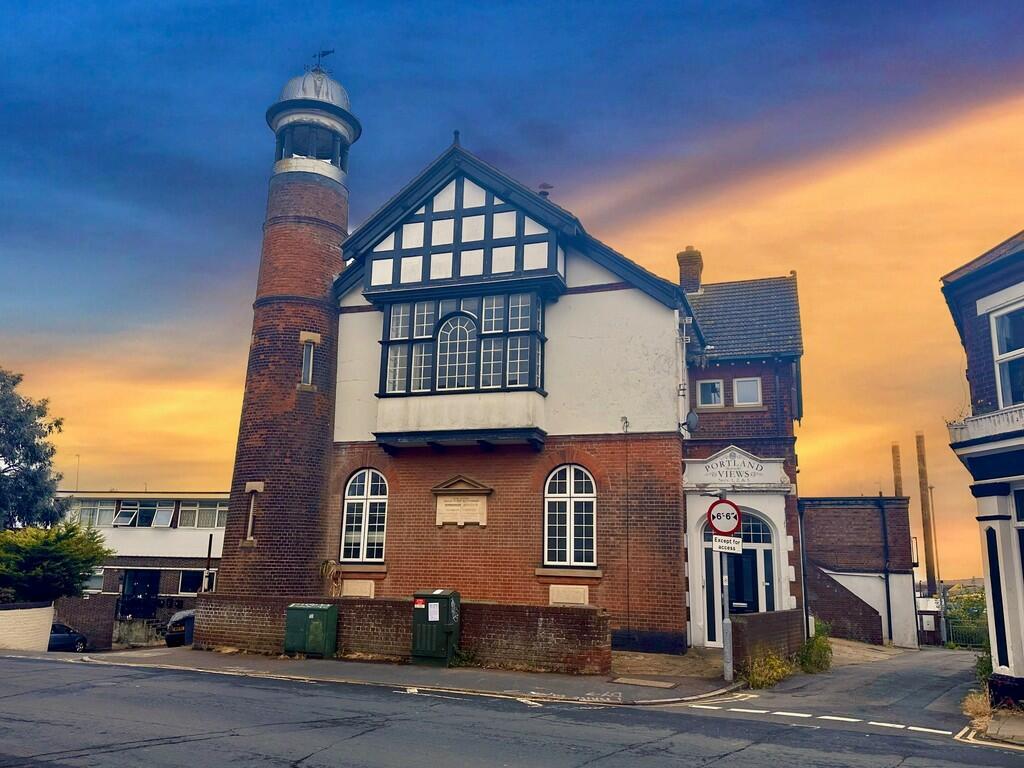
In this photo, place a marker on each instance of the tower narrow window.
(307, 362)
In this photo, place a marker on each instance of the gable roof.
(750, 318)
(1008, 248)
(455, 160)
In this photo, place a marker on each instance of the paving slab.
(1007, 726)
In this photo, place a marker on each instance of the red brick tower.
(275, 539)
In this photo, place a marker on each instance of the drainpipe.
(803, 571)
(885, 571)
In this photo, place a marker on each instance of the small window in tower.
(312, 142)
(307, 362)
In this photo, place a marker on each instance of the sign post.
(724, 519)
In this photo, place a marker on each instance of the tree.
(28, 483)
(43, 564)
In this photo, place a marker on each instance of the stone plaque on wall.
(461, 501)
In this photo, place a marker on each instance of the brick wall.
(574, 640)
(773, 418)
(641, 583)
(778, 631)
(850, 617)
(976, 334)
(92, 615)
(845, 534)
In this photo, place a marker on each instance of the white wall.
(163, 542)
(609, 354)
(870, 587)
(359, 335)
(26, 629)
(484, 410)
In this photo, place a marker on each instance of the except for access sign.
(724, 517)
(730, 545)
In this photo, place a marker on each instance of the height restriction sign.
(724, 517)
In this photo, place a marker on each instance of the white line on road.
(886, 725)
(704, 706)
(530, 703)
(749, 711)
(839, 719)
(792, 714)
(928, 730)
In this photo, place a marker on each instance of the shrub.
(983, 667)
(43, 564)
(816, 654)
(765, 669)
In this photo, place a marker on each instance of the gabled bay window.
(463, 345)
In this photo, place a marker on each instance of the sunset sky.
(871, 149)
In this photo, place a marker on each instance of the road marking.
(749, 711)
(412, 690)
(704, 706)
(969, 736)
(839, 719)
(792, 714)
(530, 703)
(919, 729)
(886, 725)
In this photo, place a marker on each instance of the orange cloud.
(870, 232)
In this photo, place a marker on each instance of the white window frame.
(735, 388)
(181, 578)
(997, 358)
(97, 571)
(569, 497)
(194, 505)
(721, 393)
(364, 500)
(95, 505)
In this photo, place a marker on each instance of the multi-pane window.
(463, 344)
(397, 367)
(203, 514)
(95, 514)
(366, 507)
(145, 514)
(1008, 344)
(570, 500)
(456, 353)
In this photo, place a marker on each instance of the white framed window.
(94, 583)
(190, 582)
(491, 362)
(422, 362)
(397, 364)
(366, 508)
(518, 361)
(93, 513)
(570, 517)
(746, 391)
(399, 321)
(456, 353)
(1008, 352)
(203, 514)
(144, 514)
(709, 393)
(493, 314)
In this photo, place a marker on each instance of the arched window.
(366, 509)
(456, 353)
(570, 499)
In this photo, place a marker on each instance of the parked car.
(64, 638)
(179, 628)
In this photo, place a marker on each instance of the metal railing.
(967, 634)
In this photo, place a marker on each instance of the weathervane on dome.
(320, 56)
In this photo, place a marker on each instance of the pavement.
(54, 713)
(634, 683)
(1007, 726)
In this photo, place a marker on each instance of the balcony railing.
(987, 424)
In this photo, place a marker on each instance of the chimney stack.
(691, 264)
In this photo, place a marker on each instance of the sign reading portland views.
(734, 467)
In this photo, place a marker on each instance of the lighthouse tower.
(275, 538)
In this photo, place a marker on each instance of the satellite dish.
(692, 421)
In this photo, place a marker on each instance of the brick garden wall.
(778, 631)
(845, 533)
(92, 615)
(574, 640)
(850, 617)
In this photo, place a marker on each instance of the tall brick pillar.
(275, 538)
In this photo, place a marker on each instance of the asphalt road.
(58, 713)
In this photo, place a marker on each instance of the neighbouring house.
(472, 391)
(986, 300)
(167, 548)
(860, 567)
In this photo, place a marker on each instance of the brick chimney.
(691, 264)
